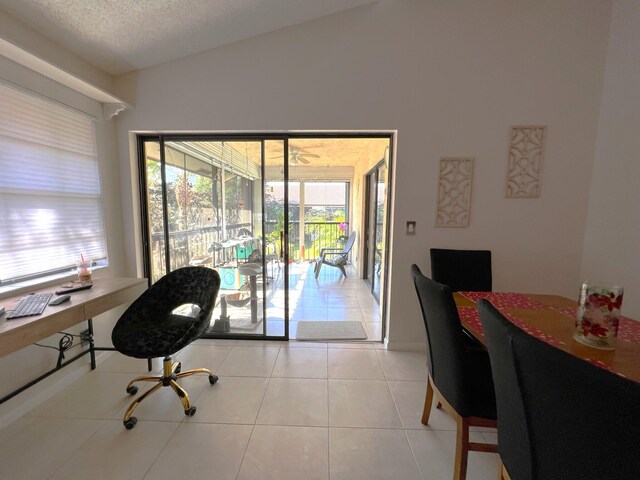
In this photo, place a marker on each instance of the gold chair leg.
(136, 402)
(193, 371)
(168, 379)
(143, 379)
(175, 366)
(428, 400)
(184, 397)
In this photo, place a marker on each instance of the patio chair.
(335, 257)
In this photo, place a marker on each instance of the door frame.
(284, 136)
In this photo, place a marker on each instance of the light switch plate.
(411, 227)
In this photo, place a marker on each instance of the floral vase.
(598, 315)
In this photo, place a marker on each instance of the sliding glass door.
(376, 208)
(259, 208)
(205, 205)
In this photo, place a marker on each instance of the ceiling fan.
(297, 156)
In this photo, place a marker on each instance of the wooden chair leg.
(502, 472)
(462, 449)
(427, 402)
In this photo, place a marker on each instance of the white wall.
(612, 240)
(451, 77)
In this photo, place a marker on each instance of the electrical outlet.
(85, 336)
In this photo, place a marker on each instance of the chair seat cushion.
(170, 334)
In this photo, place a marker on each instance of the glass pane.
(179, 195)
(325, 218)
(155, 210)
(276, 310)
(294, 219)
(380, 217)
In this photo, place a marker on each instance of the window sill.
(40, 283)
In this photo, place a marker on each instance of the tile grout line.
(255, 420)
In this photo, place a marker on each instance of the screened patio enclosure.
(240, 205)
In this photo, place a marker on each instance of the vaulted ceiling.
(119, 36)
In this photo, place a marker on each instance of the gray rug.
(314, 330)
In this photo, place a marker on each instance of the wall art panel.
(524, 161)
(454, 192)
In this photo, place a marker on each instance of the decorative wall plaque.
(454, 192)
(524, 162)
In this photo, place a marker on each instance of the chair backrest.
(445, 345)
(350, 241)
(462, 270)
(581, 420)
(184, 286)
(513, 434)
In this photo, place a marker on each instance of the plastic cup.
(84, 271)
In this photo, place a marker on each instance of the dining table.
(551, 318)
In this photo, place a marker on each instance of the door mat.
(317, 330)
(229, 326)
(244, 324)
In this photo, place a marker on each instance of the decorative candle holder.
(598, 315)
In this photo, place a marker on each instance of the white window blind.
(50, 199)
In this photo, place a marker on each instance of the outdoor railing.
(184, 245)
(317, 235)
(187, 244)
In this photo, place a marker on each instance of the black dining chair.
(462, 270)
(459, 375)
(172, 313)
(559, 417)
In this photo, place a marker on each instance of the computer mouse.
(60, 299)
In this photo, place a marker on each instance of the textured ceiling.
(118, 36)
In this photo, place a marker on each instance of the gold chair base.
(171, 372)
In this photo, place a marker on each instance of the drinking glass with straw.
(84, 270)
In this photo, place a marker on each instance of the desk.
(106, 293)
(551, 318)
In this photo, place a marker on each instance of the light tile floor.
(331, 296)
(281, 411)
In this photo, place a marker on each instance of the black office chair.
(559, 416)
(459, 375)
(335, 257)
(462, 270)
(172, 313)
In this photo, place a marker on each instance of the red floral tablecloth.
(504, 299)
(628, 329)
(471, 316)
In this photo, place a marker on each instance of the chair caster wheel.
(132, 390)
(190, 412)
(129, 424)
(179, 367)
(213, 379)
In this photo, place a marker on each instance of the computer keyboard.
(28, 305)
